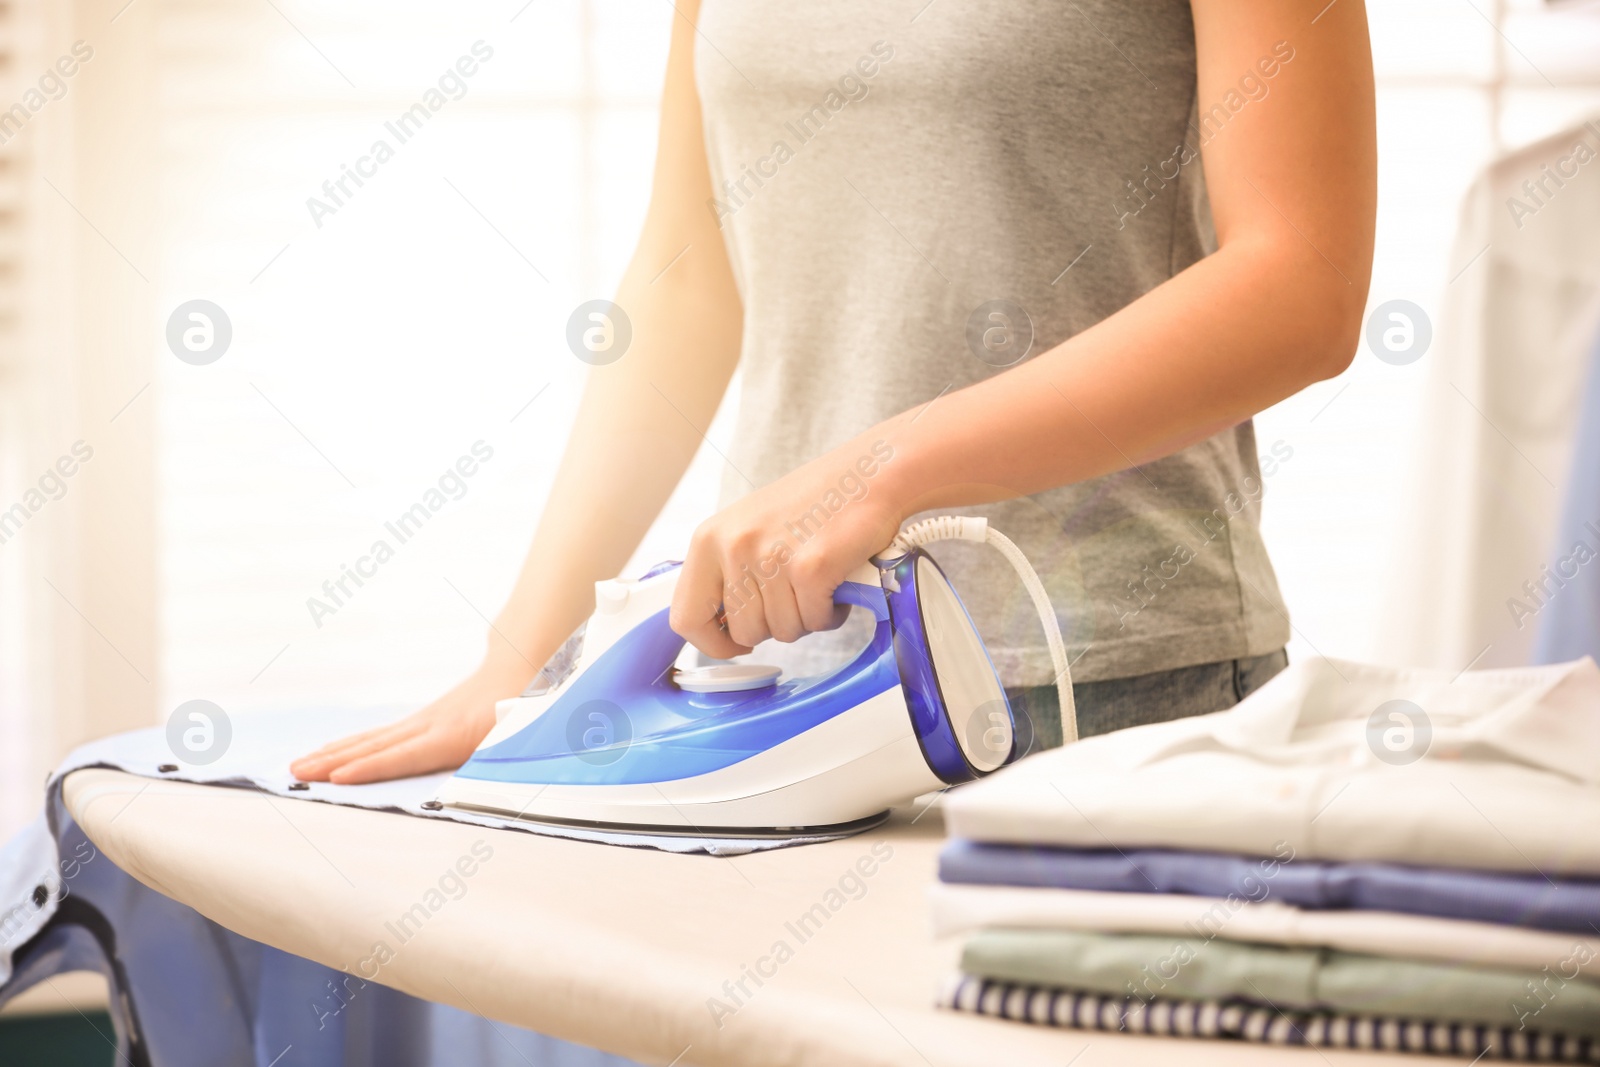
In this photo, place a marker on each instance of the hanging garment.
(1495, 434)
(963, 909)
(1048, 1006)
(1564, 602)
(1488, 770)
(1293, 979)
(1486, 896)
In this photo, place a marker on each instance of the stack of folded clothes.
(1352, 857)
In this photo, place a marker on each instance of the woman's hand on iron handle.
(768, 564)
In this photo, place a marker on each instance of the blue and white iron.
(626, 740)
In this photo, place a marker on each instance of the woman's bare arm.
(633, 438)
(1292, 179)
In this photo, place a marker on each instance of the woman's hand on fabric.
(439, 737)
(768, 564)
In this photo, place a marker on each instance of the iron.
(615, 734)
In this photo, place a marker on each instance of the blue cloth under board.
(187, 992)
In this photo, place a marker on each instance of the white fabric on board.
(257, 757)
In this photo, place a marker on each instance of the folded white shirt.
(962, 909)
(1504, 774)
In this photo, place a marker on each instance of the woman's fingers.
(318, 766)
(697, 614)
(744, 613)
(346, 742)
(783, 614)
(814, 596)
(421, 754)
(356, 744)
(443, 734)
(745, 578)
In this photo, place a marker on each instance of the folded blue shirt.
(1515, 900)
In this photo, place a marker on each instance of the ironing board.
(637, 952)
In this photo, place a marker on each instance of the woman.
(1035, 261)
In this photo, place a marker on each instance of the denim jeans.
(1118, 703)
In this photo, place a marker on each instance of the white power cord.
(974, 528)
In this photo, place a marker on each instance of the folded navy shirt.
(1533, 900)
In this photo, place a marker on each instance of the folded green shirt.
(1292, 978)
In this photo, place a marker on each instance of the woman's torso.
(883, 173)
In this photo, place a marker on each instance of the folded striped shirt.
(1238, 1020)
(1295, 978)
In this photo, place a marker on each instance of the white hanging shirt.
(1503, 774)
(1495, 433)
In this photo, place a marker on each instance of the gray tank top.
(908, 191)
